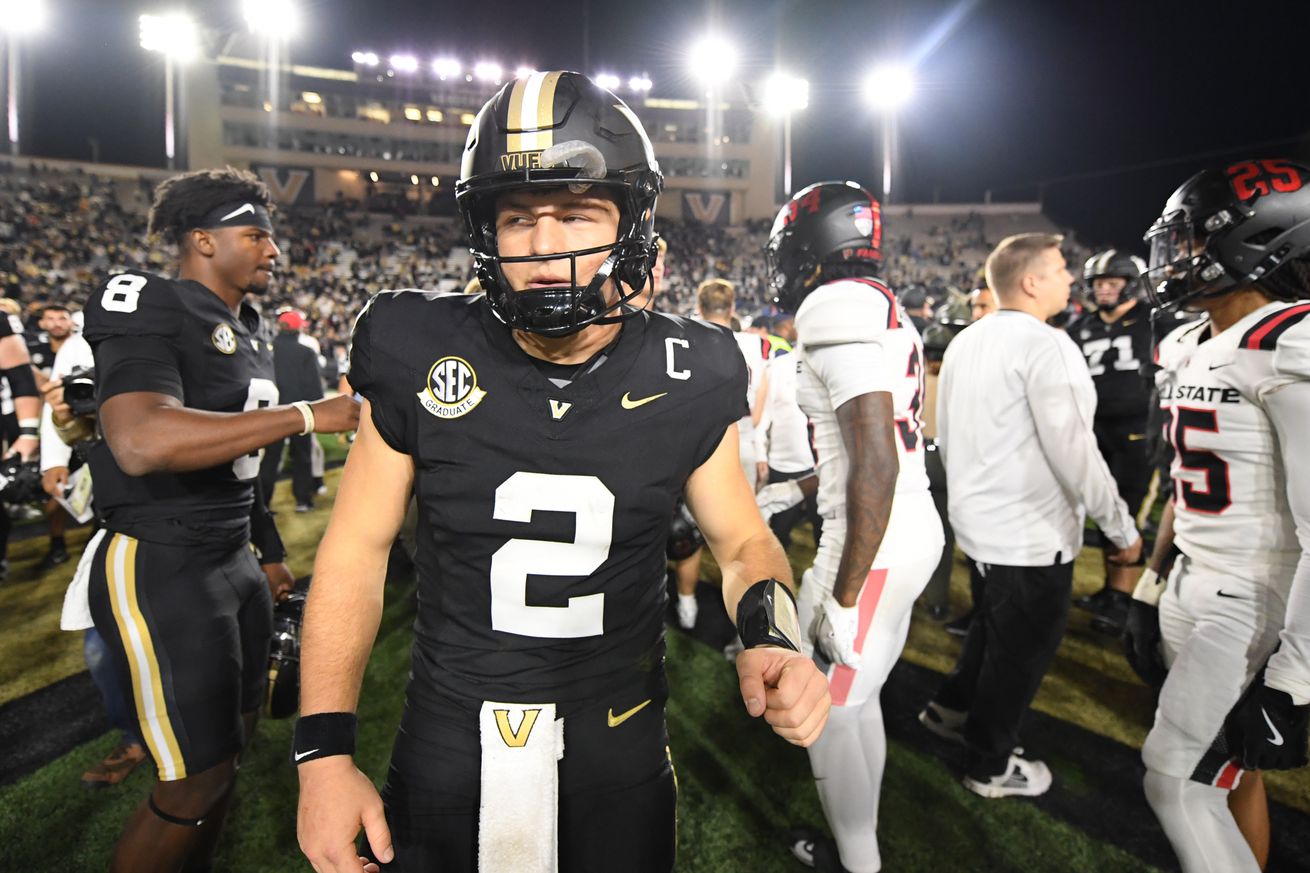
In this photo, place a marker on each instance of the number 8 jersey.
(545, 492)
(176, 337)
(1229, 472)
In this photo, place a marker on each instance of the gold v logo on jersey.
(628, 403)
(452, 388)
(516, 739)
(615, 720)
(558, 408)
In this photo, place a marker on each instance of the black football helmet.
(826, 223)
(685, 536)
(548, 130)
(283, 695)
(1232, 227)
(1112, 263)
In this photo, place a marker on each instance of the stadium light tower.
(174, 36)
(18, 18)
(785, 95)
(712, 59)
(276, 19)
(887, 90)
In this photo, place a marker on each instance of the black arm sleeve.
(263, 531)
(139, 363)
(21, 381)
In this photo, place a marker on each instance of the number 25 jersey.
(1231, 509)
(544, 504)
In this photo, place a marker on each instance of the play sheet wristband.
(766, 616)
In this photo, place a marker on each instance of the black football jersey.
(1115, 354)
(176, 337)
(543, 511)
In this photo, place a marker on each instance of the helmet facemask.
(1180, 268)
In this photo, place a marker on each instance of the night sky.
(1110, 104)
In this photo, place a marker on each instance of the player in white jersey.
(1231, 623)
(860, 380)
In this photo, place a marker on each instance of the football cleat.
(945, 723)
(1022, 778)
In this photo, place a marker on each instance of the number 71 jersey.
(545, 492)
(175, 336)
(1229, 477)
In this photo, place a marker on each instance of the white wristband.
(1150, 587)
(29, 422)
(307, 413)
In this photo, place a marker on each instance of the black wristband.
(766, 616)
(322, 735)
(29, 432)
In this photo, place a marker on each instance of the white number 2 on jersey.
(262, 392)
(593, 505)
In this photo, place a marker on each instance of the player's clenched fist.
(336, 799)
(787, 689)
(335, 414)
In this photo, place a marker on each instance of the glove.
(1141, 634)
(772, 499)
(834, 629)
(1267, 730)
(1141, 639)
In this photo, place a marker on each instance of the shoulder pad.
(715, 346)
(11, 325)
(1286, 333)
(847, 311)
(1178, 342)
(133, 304)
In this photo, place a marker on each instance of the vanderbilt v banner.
(706, 207)
(291, 186)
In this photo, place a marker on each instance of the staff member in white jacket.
(1014, 413)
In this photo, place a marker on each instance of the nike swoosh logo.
(1229, 596)
(1217, 366)
(1276, 739)
(628, 403)
(240, 210)
(1134, 437)
(616, 720)
(300, 755)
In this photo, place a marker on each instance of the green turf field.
(740, 787)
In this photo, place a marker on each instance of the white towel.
(518, 821)
(76, 614)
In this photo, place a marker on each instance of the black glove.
(1141, 639)
(1267, 731)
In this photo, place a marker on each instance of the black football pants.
(1010, 645)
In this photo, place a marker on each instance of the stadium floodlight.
(785, 94)
(366, 59)
(640, 84)
(276, 19)
(446, 67)
(608, 81)
(712, 59)
(488, 71)
(889, 87)
(403, 63)
(373, 175)
(524, 72)
(21, 17)
(413, 179)
(436, 182)
(172, 34)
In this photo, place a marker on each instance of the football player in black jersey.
(1115, 338)
(184, 374)
(547, 429)
(16, 370)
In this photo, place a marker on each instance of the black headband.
(237, 214)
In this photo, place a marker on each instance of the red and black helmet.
(547, 130)
(1233, 227)
(826, 223)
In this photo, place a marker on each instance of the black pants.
(1009, 646)
(1123, 444)
(937, 591)
(302, 482)
(807, 510)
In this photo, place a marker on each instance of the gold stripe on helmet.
(515, 143)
